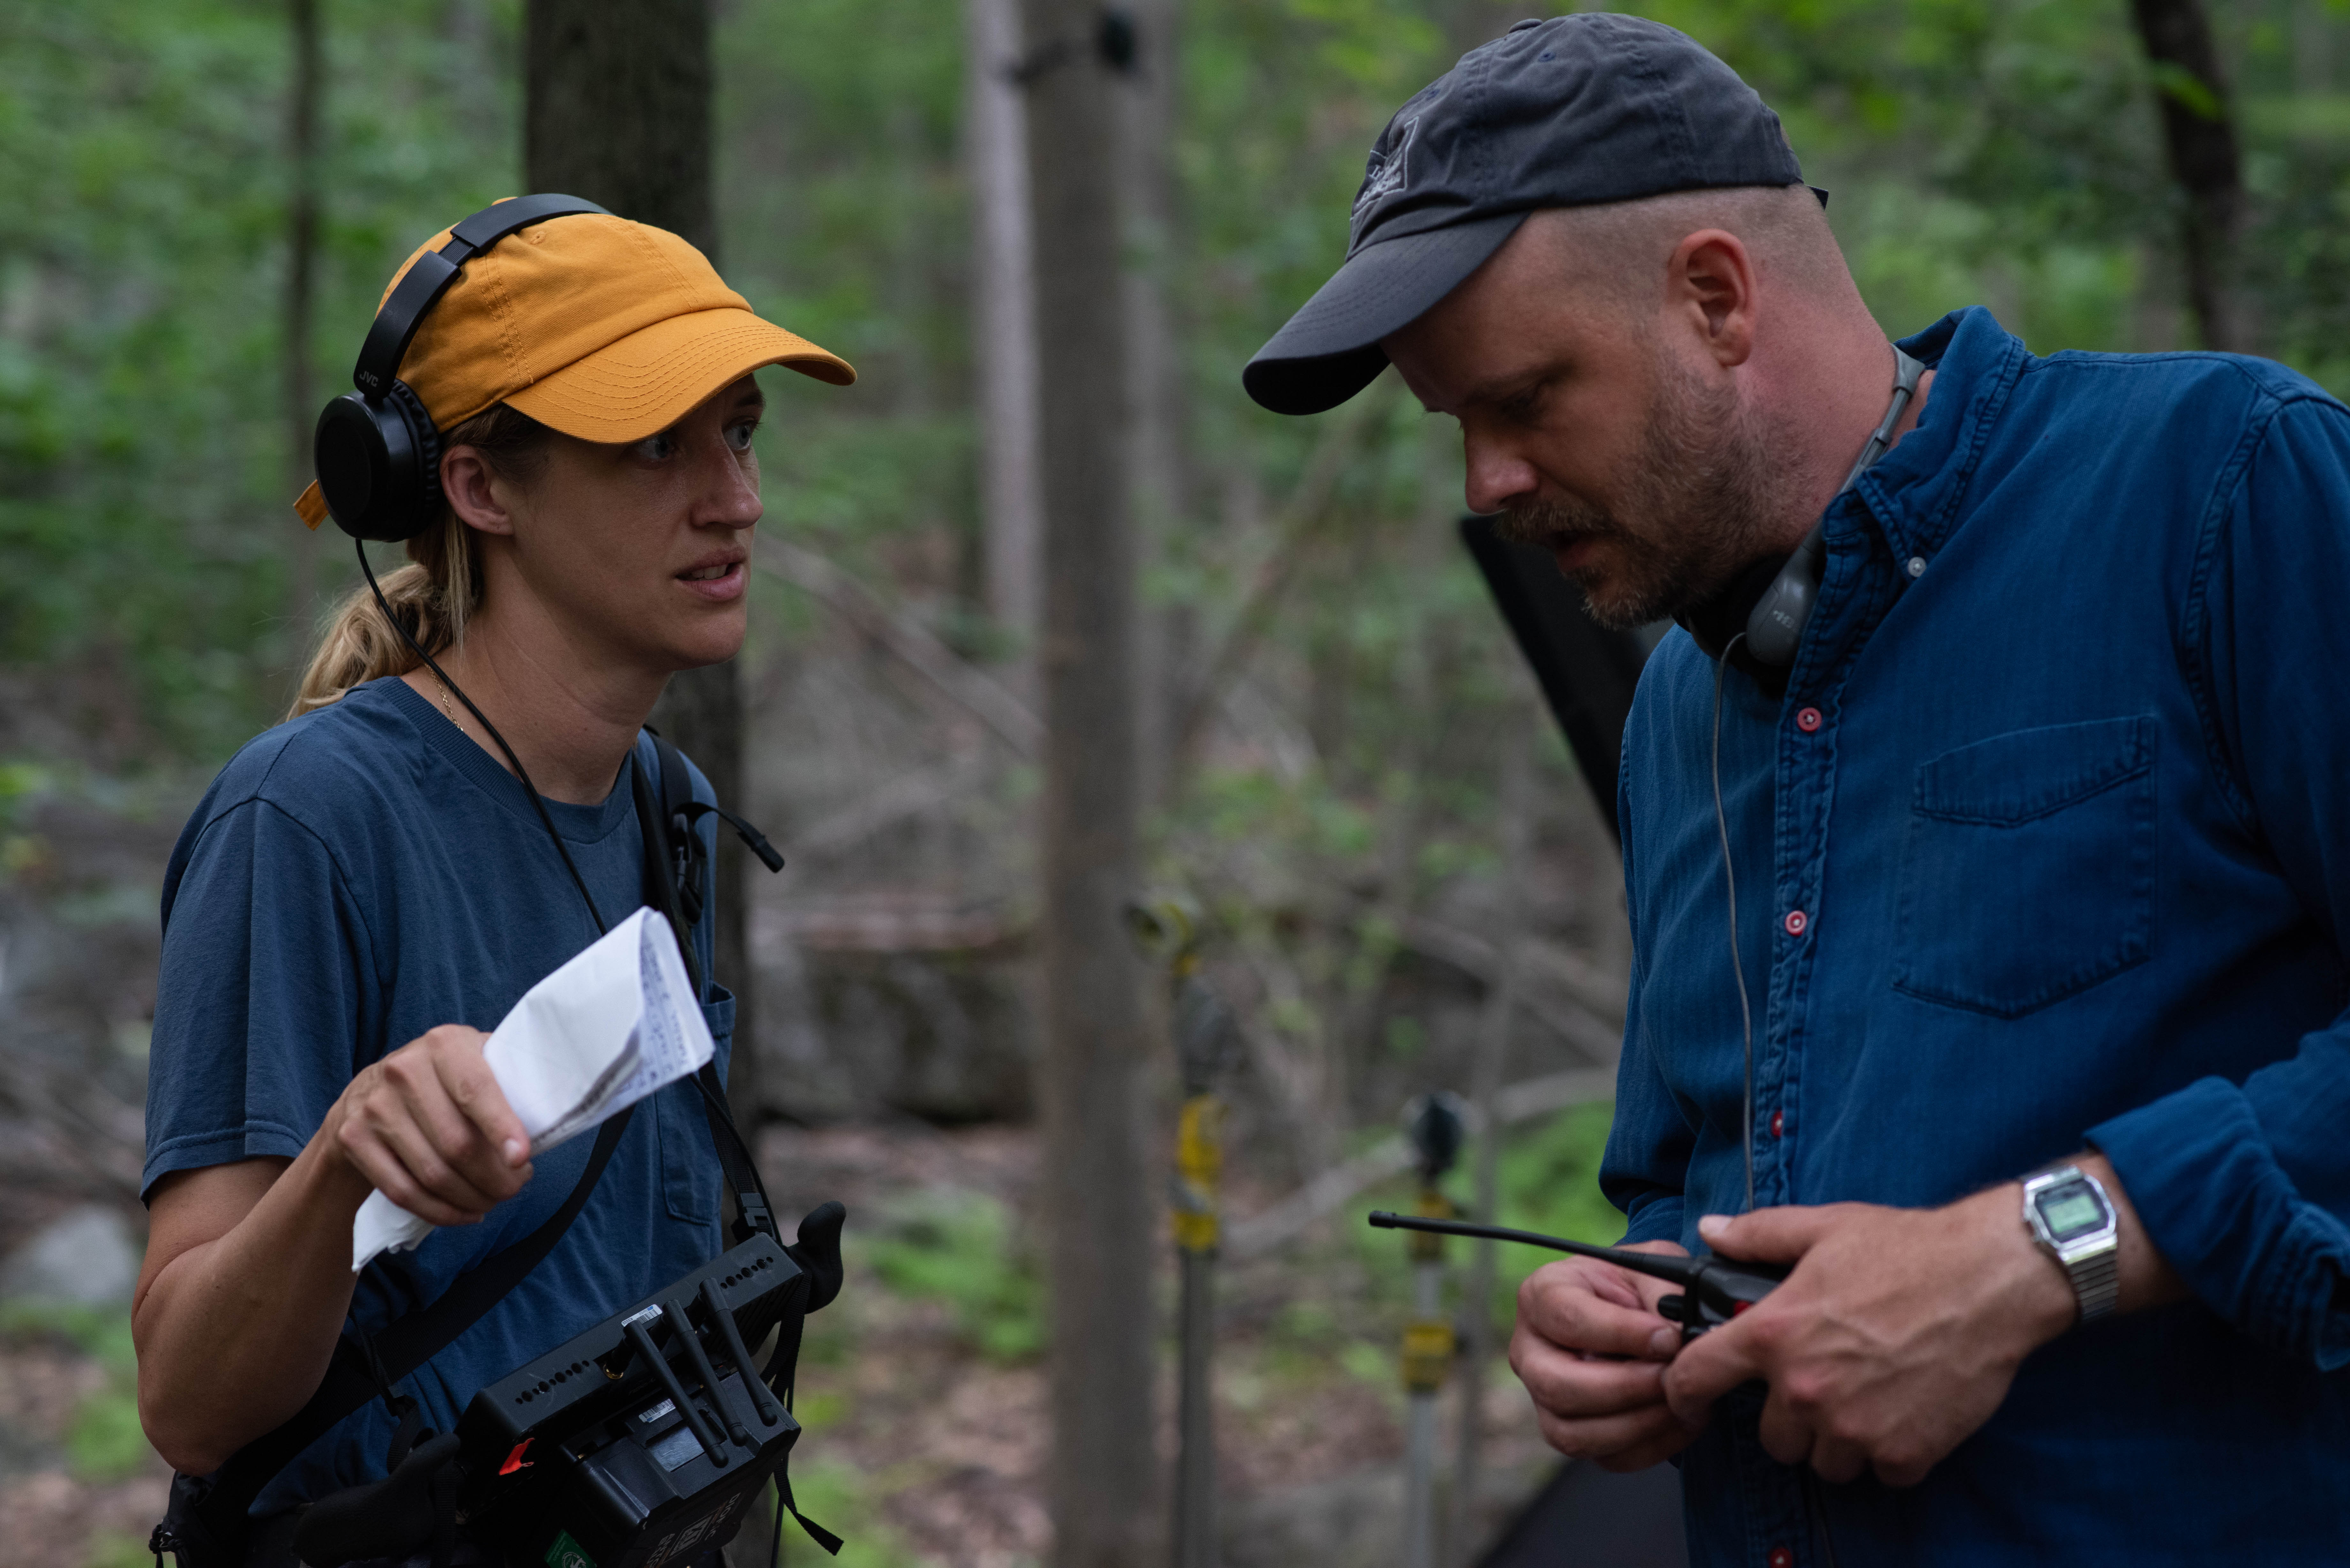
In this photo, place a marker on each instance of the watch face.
(2072, 1211)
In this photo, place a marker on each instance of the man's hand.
(428, 1126)
(1896, 1336)
(1591, 1348)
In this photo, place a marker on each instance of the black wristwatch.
(2069, 1215)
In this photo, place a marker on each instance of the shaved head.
(1622, 250)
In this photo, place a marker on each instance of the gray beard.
(1703, 501)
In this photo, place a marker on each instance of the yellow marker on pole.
(1199, 1172)
(1428, 1343)
(1434, 1124)
(1167, 927)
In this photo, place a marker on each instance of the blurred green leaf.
(106, 1442)
(958, 1248)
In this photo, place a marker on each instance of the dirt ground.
(941, 1453)
(922, 1389)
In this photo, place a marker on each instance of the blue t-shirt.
(353, 879)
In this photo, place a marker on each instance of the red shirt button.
(1808, 719)
(1778, 1123)
(1782, 1558)
(1796, 922)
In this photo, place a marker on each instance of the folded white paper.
(616, 1024)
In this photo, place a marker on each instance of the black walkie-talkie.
(1713, 1289)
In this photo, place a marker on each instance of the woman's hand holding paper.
(429, 1127)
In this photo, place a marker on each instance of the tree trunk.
(301, 288)
(1003, 330)
(2200, 134)
(617, 109)
(1102, 1490)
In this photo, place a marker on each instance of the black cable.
(528, 788)
(1729, 877)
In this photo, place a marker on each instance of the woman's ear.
(473, 490)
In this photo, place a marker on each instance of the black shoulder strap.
(402, 1348)
(666, 863)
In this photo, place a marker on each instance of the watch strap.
(2097, 1280)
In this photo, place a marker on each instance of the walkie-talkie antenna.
(1713, 1289)
(1680, 1271)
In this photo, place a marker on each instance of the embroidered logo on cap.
(1390, 173)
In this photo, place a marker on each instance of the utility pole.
(1207, 1047)
(1435, 1125)
(617, 109)
(1102, 1473)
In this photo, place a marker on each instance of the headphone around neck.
(1774, 628)
(376, 451)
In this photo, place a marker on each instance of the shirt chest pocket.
(2028, 876)
(690, 1173)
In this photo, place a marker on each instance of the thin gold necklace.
(446, 706)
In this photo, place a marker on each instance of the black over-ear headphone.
(376, 451)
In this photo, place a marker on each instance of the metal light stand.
(1434, 1123)
(1205, 1043)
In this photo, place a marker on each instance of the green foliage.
(958, 1249)
(845, 218)
(111, 1549)
(101, 1334)
(105, 1441)
(847, 1502)
(145, 468)
(1550, 1177)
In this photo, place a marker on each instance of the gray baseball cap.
(1564, 113)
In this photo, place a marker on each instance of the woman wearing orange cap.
(368, 885)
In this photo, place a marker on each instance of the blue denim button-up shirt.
(2061, 788)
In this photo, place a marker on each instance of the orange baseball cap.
(599, 327)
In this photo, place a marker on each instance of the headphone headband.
(376, 452)
(395, 325)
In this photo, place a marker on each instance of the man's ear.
(473, 490)
(1709, 287)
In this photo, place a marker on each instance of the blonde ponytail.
(433, 594)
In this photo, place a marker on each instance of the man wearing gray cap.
(1986, 837)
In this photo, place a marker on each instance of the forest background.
(1345, 769)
